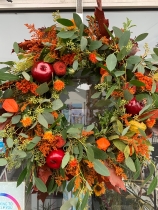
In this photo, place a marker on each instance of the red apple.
(59, 68)
(134, 106)
(42, 72)
(54, 159)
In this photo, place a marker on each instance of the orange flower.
(73, 163)
(120, 157)
(104, 71)
(68, 59)
(119, 172)
(148, 81)
(58, 85)
(55, 114)
(10, 105)
(103, 143)
(48, 136)
(26, 121)
(150, 123)
(92, 58)
(105, 40)
(26, 86)
(99, 189)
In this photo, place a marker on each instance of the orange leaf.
(116, 182)
(44, 173)
(151, 114)
(10, 105)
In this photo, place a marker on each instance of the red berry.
(59, 68)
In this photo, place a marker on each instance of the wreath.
(56, 155)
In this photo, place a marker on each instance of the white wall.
(12, 26)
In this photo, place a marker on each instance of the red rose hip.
(59, 68)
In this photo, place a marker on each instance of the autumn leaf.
(42, 196)
(116, 182)
(10, 105)
(152, 114)
(99, 15)
(44, 172)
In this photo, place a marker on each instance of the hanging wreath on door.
(104, 154)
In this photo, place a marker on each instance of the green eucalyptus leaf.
(127, 95)
(141, 37)
(124, 39)
(151, 167)
(152, 186)
(90, 153)
(8, 93)
(65, 22)
(137, 83)
(22, 176)
(96, 95)
(3, 162)
(102, 103)
(111, 62)
(110, 91)
(117, 31)
(66, 205)
(70, 185)
(130, 164)
(119, 73)
(2, 119)
(16, 119)
(134, 59)
(16, 47)
(7, 114)
(94, 45)
(48, 117)
(42, 120)
(99, 154)
(50, 185)
(140, 68)
(84, 43)
(7, 76)
(77, 19)
(36, 139)
(57, 104)
(85, 200)
(9, 142)
(75, 65)
(119, 144)
(65, 34)
(122, 54)
(65, 159)
(81, 29)
(26, 75)
(156, 51)
(100, 168)
(40, 185)
(90, 127)
(43, 88)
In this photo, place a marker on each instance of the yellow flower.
(99, 189)
(135, 126)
